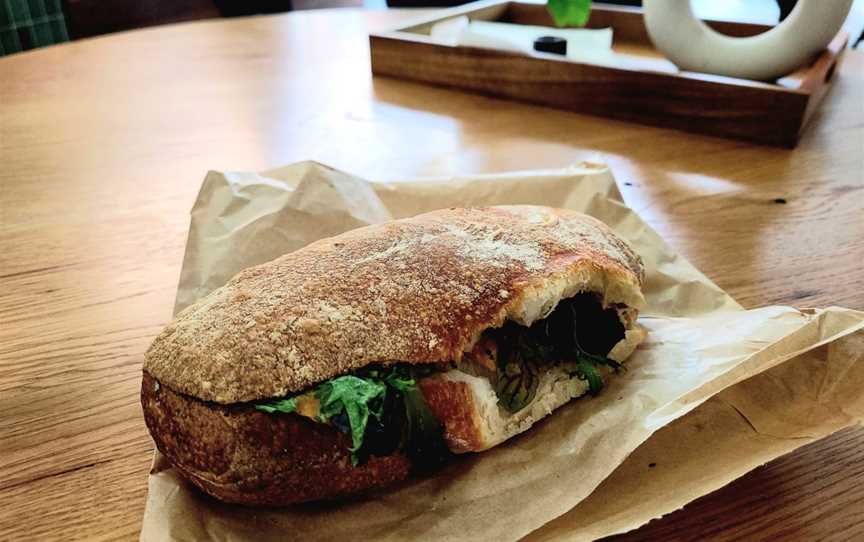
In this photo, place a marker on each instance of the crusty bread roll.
(427, 291)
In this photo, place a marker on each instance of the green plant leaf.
(357, 398)
(400, 379)
(586, 370)
(348, 402)
(569, 12)
(520, 356)
(286, 406)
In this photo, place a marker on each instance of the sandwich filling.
(384, 410)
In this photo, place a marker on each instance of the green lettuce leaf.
(350, 402)
(569, 12)
(357, 397)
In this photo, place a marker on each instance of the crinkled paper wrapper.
(714, 392)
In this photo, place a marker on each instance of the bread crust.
(419, 290)
(241, 455)
(454, 406)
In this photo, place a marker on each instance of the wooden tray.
(640, 85)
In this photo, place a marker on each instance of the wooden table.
(103, 145)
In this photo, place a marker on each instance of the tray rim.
(402, 33)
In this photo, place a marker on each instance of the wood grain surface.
(104, 143)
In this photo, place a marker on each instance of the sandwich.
(360, 359)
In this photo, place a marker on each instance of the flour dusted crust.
(419, 290)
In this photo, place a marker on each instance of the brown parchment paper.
(714, 392)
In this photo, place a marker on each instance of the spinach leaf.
(286, 406)
(598, 360)
(586, 370)
(517, 384)
(400, 379)
(586, 362)
(522, 352)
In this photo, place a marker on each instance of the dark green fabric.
(27, 24)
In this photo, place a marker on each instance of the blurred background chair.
(27, 24)
(87, 18)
